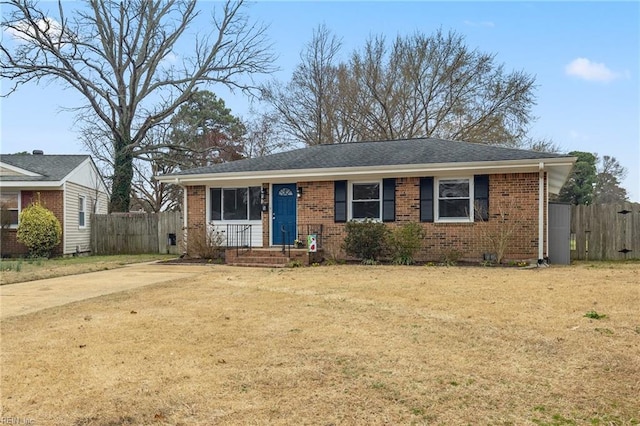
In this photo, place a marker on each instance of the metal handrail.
(239, 237)
(286, 247)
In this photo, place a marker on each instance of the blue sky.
(584, 55)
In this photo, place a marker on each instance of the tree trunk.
(122, 177)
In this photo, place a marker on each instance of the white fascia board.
(31, 186)
(19, 170)
(410, 170)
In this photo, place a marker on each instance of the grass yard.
(337, 345)
(21, 270)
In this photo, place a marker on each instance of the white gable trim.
(19, 170)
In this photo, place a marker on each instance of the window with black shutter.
(340, 201)
(426, 199)
(388, 200)
(481, 196)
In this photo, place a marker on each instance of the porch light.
(264, 195)
(299, 192)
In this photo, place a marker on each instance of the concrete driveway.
(32, 296)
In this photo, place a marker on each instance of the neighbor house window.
(454, 200)
(82, 207)
(235, 203)
(9, 208)
(365, 200)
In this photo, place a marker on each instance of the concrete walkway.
(32, 296)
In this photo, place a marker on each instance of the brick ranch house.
(459, 192)
(68, 185)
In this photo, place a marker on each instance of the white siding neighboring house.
(68, 185)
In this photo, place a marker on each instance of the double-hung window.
(365, 200)
(235, 203)
(9, 208)
(454, 200)
(82, 208)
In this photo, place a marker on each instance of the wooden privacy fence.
(605, 232)
(136, 233)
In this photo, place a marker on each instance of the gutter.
(346, 172)
(31, 185)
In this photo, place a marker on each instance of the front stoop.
(268, 257)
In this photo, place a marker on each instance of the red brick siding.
(197, 206)
(316, 207)
(265, 221)
(52, 200)
(469, 239)
(196, 209)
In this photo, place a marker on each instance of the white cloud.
(170, 58)
(591, 71)
(24, 31)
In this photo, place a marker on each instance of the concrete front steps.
(268, 257)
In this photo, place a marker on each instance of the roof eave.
(28, 185)
(408, 170)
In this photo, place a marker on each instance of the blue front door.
(284, 213)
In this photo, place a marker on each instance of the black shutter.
(426, 199)
(388, 200)
(216, 203)
(340, 201)
(481, 196)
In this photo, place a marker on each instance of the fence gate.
(559, 233)
(606, 231)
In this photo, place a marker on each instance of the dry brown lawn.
(21, 270)
(337, 345)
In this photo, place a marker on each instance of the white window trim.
(229, 221)
(19, 193)
(436, 199)
(350, 199)
(84, 211)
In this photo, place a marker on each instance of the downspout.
(541, 205)
(546, 244)
(65, 223)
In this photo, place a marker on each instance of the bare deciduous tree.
(417, 86)
(542, 145)
(264, 136)
(202, 132)
(147, 193)
(607, 186)
(306, 105)
(121, 57)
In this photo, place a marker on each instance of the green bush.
(404, 242)
(365, 240)
(39, 230)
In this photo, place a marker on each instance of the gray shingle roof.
(50, 167)
(372, 154)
